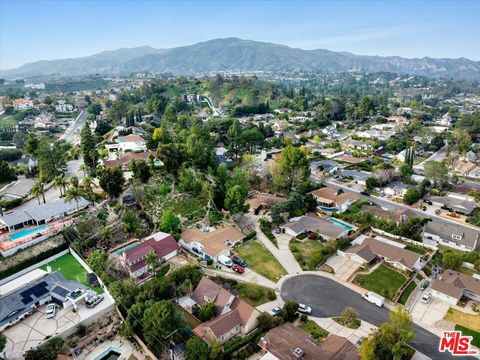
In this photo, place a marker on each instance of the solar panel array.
(36, 291)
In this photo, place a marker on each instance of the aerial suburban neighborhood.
(235, 199)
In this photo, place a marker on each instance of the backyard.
(383, 281)
(260, 260)
(71, 269)
(309, 253)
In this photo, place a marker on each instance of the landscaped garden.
(406, 293)
(383, 280)
(317, 332)
(309, 253)
(261, 260)
(71, 270)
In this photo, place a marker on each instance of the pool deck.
(118, 343)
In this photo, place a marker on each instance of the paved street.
(73, 131)
(328, 298)
(438, 156)
(393, 205)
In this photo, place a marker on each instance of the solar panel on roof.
(26, 300)
(60, 291)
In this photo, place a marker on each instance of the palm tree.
(74, 181)
(105, 234)
(3, 203)
(87, 183)
(37, 190)
(84, 168)
(73, 194)
(152, 260)
(61, 183)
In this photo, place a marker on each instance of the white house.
(132, 142)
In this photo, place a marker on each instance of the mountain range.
(242, 55)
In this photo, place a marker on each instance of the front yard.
(384, 281)
(254, 294)
(406, 293)
(309, 253)
(463, 319)
(261, 260)
(312, 328)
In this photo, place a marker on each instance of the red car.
(237, 268)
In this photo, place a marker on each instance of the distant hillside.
(237, 54)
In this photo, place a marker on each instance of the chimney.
(298, 353)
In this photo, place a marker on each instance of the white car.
(51, 310)
(275, 311)
(304, 309)
(426, 298)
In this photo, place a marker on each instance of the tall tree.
(111, 181)
(87, 146)
(292, 171)
(38, 190)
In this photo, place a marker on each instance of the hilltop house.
(329, 199)
(135, 259)
(132, 142)
(208, 243)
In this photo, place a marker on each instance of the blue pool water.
(112, 353)
(122, 250)
(26, 232)
(341, 224)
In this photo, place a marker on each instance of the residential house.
(466, 169)
(462, 204)
(221, 156)
(352, 144)
(329, 199)
(288, 342)
(330, 129)
(135, 259)
(124, 160)
(41, 214)
(455, 236)
(63, 107)
(399, 216)
(19, 189)
(260, 202)
(366, 250)
(234, 316)
(359, 177)
(314, 224)
(451, 286)
(209, 243)
(396, 189)
(132, 143)
(51, 287)
(22, 104)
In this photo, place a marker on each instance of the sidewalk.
(353, 335)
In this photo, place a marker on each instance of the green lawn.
(342, 321)
(468, 332)
(261, 260)
(255, 294)
(314, 329)
(7, 120)
(71, 269)
(406, 293)
(383, 281)
(417, 249)
(309, 253)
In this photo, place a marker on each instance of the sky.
(46, 30)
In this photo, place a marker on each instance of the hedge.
(32, 261)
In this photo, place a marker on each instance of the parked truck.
(225, 260)
(374, 298)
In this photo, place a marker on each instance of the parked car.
(304, 308)
(275, 311)
(237, 268)
(426, 298)
(225, 260)
(424, 284)
(51, 310)
(93, 300)
(239, 261)
(374, 298)
(278, 231)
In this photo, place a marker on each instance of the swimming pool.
(341, 224)
(128, 247)
(112, 353)
(27, 232)
(329, 209)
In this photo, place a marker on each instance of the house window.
(222, 337)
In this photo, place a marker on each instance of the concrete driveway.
(430, 313)
(343, 267)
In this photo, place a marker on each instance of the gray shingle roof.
(466, 236)
(20, 301)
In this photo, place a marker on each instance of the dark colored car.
(239, 261)
(237, 268)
